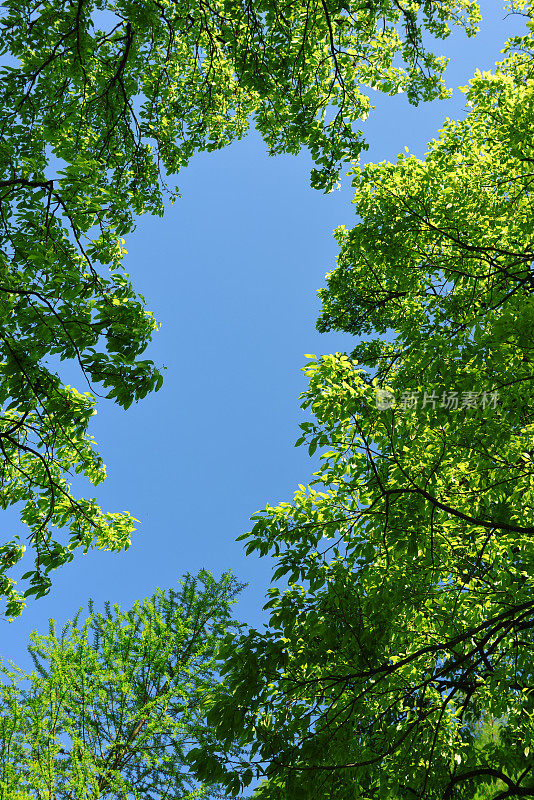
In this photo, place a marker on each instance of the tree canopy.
(397, 662)
(406, 625)
(99, 102)
(115, 703)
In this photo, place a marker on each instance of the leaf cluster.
(116, 703)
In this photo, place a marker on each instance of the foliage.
(99, 100)
(115, 703)
(408, 618)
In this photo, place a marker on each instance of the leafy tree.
(99, 101)
(408, 618)
(115, 703)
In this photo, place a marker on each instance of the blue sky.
(231, 272)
